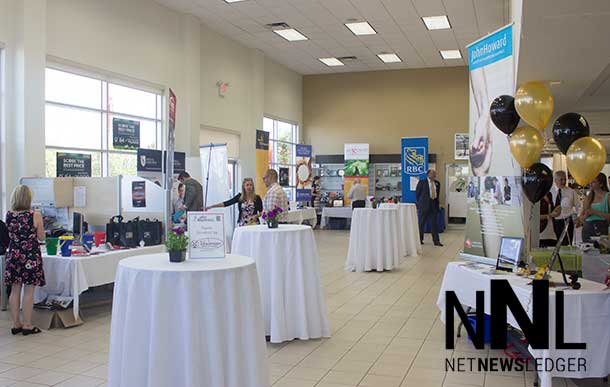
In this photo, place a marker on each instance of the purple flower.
(178, 231)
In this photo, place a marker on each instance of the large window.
(283, 137)
(79, 112)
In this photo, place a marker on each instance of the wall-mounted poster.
(73, 164)
(125, 133)
(138, 194)
(206, 235)
(284, 177)
(461, 146)
(304, 173)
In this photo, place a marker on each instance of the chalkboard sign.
(125, 134)
(73, 164)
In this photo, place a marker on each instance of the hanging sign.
(206, 235)
(149, 160)
(73, 164)
(125, 134)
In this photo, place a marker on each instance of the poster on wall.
(262, 160)
(149, 166)
(284, 177)
(73, 165)
(125, 133)
(414, 156)
(304, 173)
(138, 194)
(356, 168)
(206, 235)
(461, 147)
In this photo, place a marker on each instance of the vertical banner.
(169, 156)
(304, 173)
(356, 167)
(262, 160)
(495, 206)
(414, 165)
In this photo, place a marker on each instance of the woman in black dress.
(249, 203)
(23, 258)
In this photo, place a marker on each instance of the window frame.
(274, 163)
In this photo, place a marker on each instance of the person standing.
(23, 258)
(249, 204)
(565, 204)
(275, 197)
(596, 210)
(193, 192)
(426, 194)
(357, 194)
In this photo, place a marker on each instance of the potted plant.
(271, 217)
(176, 244)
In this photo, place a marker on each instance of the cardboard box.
(49, 319)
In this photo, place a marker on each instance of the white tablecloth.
(302, 215)
(409, 227)
(70, 276)
(191, 324)
(334, 212)
(288, 268)
(374, 242)
(586, 316)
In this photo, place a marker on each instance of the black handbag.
(114, 230)
(151, 232)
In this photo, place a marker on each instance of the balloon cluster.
(534, 104)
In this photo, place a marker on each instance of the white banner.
(356, 151)
(215, 180)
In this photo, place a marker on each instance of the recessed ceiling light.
(436, 22)
(361, 28)
(451, 54)
(332, 62)
(389, 58)
(233, 1)
(291, 34)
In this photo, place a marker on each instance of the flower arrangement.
(176, 243)
(270, 217)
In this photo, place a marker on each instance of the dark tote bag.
(114, 230)
(151, 232)
(130, 233)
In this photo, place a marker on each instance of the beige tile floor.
(385, 333)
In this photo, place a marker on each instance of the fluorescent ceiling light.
(332, 62)
(389, 58)
(233, 1)
(436, 22)
(451, 54)
(291, 34)
(361, 28)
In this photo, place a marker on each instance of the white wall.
(283, 93)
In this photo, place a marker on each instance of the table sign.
(206, 235)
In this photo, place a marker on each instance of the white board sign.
(206, 235)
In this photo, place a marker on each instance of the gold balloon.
(534, 103)
(526, 145)
(586, 158)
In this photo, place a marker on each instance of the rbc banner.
(414, 165)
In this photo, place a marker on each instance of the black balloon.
(503, 113)
(537, 182)
(569, 128)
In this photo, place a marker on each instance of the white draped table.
(190, 324)
(409, 227)
(288, 268)
(586, 316)
(374, 242)
(334, 212)
(303, 215)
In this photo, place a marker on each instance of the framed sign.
(206, 235)
(461, 148)
(73, 164)
(125, 134)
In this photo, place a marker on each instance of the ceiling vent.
(347, 58)
(277, 26)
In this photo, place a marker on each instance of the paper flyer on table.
(206, 235)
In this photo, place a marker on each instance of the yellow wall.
(380, 108)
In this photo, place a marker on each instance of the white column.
(191, 100)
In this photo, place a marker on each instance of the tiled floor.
(385, 333)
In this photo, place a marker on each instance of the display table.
(586, 316)
(191, 324)
(70, 276)
(409, 227)
(374, 240)
(334, 212)
(302, 215)
(288, 269)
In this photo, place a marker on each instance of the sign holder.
(207, 236)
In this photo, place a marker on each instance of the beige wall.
(380, 108)
(283, 93)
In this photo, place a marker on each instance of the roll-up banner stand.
(414, 156)
(262, 160)
(356, 167)
(169, 158)
(304, 173)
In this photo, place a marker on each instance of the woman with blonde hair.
(23, 258)
(249, 203)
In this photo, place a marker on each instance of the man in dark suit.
(426, 196)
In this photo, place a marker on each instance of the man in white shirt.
(357, 194)
(426, 196)
(275, 197)
(564, 205)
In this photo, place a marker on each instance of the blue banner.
(414, 165)
(493, 48)
(304, 173)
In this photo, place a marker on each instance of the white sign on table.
(206, 235)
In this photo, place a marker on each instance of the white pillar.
(191, 100)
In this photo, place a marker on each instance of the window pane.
(51, 161)
(268, 126)
(135, 102)
(284, 131)
(122, 164)
(148, 132)
(72, 128)
(72, 89)
(284, 153)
